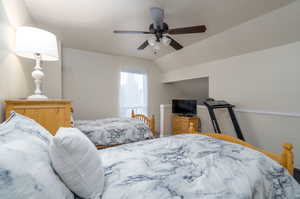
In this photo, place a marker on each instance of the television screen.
(184, 107)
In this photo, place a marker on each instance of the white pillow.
(77, 162)
(25, 164)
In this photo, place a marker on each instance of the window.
(133, 93)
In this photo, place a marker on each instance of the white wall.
(91, 81)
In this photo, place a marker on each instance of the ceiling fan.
(161, 31)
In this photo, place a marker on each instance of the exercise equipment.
(212, 104)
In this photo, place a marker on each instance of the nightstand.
(51, 114)
(181, 124)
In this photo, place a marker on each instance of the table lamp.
(40, 45)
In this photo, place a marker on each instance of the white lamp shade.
(30, 41)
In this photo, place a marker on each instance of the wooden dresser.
(181, 124)
(51, 114)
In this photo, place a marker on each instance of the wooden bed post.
(287, 157)
(152, 125)
(192, 129)
(132, 113)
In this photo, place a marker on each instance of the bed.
(285, 159)
(109, 132)
(186, 166)
(190, 166)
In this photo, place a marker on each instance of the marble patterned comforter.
(191, 167)
(112, 131)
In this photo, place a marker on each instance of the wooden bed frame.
(150, 121)
(286, 158)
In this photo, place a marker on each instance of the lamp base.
(37, 97)
(37, 75)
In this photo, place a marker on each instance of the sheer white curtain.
(133, 93)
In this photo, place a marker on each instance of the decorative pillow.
(25, 165)
(77, 161)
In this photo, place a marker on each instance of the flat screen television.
(184, 107)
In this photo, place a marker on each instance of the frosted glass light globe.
(156, 47)
(152, 41)
(166, 41)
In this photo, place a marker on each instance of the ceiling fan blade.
(144, 45)
(158, 16)
(131, 32)
(175, 44)
(188, 30)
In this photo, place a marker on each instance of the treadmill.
(212, 104)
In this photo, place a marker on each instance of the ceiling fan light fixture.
(156, 47)
(166, 41)
(152, 41)
(161, 32)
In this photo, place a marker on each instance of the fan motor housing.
(164, 29)
(159, 32)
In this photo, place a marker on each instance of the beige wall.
(282, 26)
(193, 88)
(256, 67)
(15, 73)
(52, 83)
(91, 81)
(263, 81)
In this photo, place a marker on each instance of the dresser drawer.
(51, 114)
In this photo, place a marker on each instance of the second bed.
(110, 132)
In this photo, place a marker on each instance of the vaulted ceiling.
(89, 25)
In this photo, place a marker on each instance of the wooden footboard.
(150, 121)
(286, 158)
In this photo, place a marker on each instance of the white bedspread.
(112, 131)
(192, 167)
